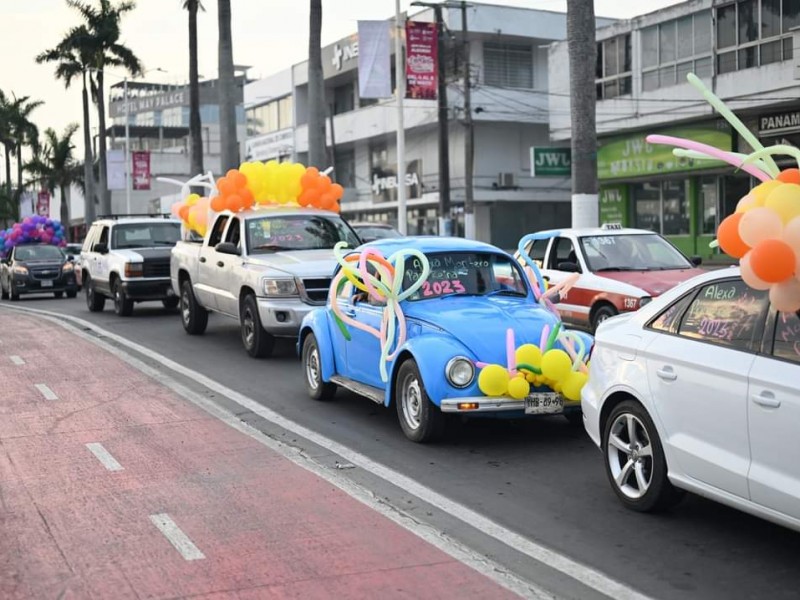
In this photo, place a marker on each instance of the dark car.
(369, 232)
(37, 269)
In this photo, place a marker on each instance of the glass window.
(508, 65)
(563, 251)
(234, 232)
(770, 18)
(726, 26)
(683, 69)
(38, 252)
(748, 57)
(344, 99)
(666, 41)
(771, 52)
(786, 344)
(103, 239)
(611, 58)
(702, 67)
(669, 320)
(219, 229)
(702, 32)
(748, 21)
(726, 313)
(791, 14)
(297, 232)
(649, 38)
(726, 62)
(788, 48)
(631, 252)
(685, 37)
(650, 80)
(345, 167)
(676, 207)
(666, 76)
(538, 250)
(145, 235)
(709, 196)
(613, 67)
(647, 200)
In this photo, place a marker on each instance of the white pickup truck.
(264, 267)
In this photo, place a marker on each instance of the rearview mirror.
(228, 248)
(569, 267)
(697, 260)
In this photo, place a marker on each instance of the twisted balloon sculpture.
(385, 287)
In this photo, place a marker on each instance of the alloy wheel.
(630, 456)
(411, 399)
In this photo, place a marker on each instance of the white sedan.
(700, 391)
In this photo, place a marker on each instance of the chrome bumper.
(282, 317)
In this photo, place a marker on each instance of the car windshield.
(465, 274)
(38, 253)
(377, 233)
(145, 235)
(297, 232)
(636, 252)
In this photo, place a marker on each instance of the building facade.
(508, 65)
(746, 51)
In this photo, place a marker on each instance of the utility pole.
(400, 91)
(445, 226)
(582, 47)
(127, 149)
(332, 155)
(469, 151)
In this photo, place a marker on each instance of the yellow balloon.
(528, 354)
(785, 201)
(518, 388)
(556, 365)
(493, 380)
(762, 190)
(573, 385)
(192, 199)
(530, 377)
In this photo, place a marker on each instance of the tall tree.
(6, 137)
(23, 131)
(195, 127)
(99, 38)
(582, 46)
(70, 63)
(227, 90)
(55, 168)
(316, 89)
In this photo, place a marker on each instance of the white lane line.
(176, 537)
(17, 360)
(578, 571)
(104, 456)
(46, 391)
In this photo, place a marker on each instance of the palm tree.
(55, 167)
(227, 90)
(23, 130)
(316, 89)
(70, 63)
(6, 137)
(99, 38)
(195, 128)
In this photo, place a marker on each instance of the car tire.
(171, 302)
(421, 420)
(575, 418)
(257, 342)
(14, 296)
(72, 293)
(634, 460)
(3, 292)
(312, 366)
(95, 302)
(193, 316)
(603, 312)
(58, 295)
(123, 305)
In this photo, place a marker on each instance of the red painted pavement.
(69, 528)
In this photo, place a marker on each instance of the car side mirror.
(228, 248)
(368, 239)
(101, 248)
(70, 258)
(697, 260)
(569, 267)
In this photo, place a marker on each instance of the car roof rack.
(136, 216)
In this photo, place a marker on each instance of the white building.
(509, 70)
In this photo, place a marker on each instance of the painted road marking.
(578, 571)
(17, 360)
(46, 391)
(104, 456)
(176, 537)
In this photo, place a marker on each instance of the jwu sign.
(551, 162)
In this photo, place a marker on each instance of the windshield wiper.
(273, 247)
(459, 294)
(620, 269)
(506, 293)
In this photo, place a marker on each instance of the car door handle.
(202, 259)
(220, 263)
(667, 374)
(766, 399)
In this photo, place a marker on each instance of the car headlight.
(68, 267)
(134, 269)
(645, 300)
(460, 371)
(20, 270)
(280, 287)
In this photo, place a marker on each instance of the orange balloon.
(327, 200)
(247, 197)
(313, 171)
(308, 180)
(729, 239)
(324, 184)
(218, 204)
(772, 261)
(225, 186)
(237, 178)
(235, 203)
(337, 190)
(183, 212)
(789, 176)
(306, 198)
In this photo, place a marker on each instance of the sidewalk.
(111, 486)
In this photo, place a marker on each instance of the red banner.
(43, 204)
(141, 170)
(422, 60)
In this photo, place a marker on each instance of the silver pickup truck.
(264, 267)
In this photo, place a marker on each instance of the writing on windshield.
(297, 232)
(636, 252)
(464, 273)
(145, 235)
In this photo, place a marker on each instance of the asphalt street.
(542, 479)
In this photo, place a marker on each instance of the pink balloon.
(176, 206)
(760, 224)
(746, 203)
(785, 296)
(749, 277)
(791, 234)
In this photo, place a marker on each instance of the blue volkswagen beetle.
(459, 317)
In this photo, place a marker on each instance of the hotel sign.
(150, 103)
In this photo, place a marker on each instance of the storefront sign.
(43, 204)
(150, 103)
(632, 156)
(551, 162)
(422, 60)
(141, 170)
(271, 145)
(779, 123)
(340, 57)
(614, 204)
(384, 182)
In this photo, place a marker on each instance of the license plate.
(47, 283)
(544, 403)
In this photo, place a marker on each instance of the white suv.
(127, 259)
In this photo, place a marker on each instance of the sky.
(268, 35)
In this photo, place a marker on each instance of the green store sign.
(632, 156)
(614, 204)
(551, 162)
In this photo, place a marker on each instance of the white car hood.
(299, 263)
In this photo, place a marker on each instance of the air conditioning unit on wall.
(506, 181)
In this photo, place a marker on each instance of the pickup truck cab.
(265, 267)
